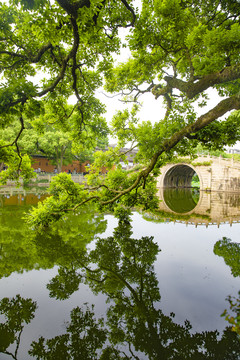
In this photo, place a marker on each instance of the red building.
(41, 162)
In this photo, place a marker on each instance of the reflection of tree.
(17, 312)
(21, 249)
(234, 318)
(230, 252)
(122, 268)
(16, 251)
(64, 284)
(135, 328)
(83, 338)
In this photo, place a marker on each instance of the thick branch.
(73, 55)
(72, 8)
(17, 137)
(125, 3)
(222, 108)
(57, 80)
(219, 110)
(33, 59)
(40, 53)
(191, 88)
(13, 54)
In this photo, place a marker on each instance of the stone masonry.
(215, 174)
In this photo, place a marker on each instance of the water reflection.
(22, 249)
(181, 200)
(122, 268)
(231, 254)
(17, 313)
(10, 196)
(233, 316)
(198, 207)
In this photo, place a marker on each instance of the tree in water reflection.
(22, 249)
(84, 337)
(17, 312)
(135, 328)
(230, 252)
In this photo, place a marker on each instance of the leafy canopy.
(181, 51)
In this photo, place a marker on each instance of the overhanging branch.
(219, 110)
(125, 3)
(193, 88)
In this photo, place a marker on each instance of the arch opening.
(195, 181)
(181, 176)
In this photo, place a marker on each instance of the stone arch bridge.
(214, 173)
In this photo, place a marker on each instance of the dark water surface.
(155, 304)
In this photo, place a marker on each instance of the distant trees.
(53, 137)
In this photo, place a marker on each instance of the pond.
(141, 287)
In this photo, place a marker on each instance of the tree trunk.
(60, 159)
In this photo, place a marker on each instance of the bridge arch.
(215, 174)
(179, 176)
(180, 201)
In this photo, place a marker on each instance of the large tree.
(183, 51)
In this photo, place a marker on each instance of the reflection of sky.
(193, 281)
(51, 314)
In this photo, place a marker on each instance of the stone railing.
(45, 179)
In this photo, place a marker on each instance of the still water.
(98, 287)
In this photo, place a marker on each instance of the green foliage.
(64, 284)
(195, 181)
(122, 268)
(56, 145)
(84, 336)
(64, 193)
(177, 159)
(203, 163)
(53, 52)
(234, 317)
(17, 312)
(230, 253)
(61, 244)
(218, 134)
(15, 166)
(49, 35)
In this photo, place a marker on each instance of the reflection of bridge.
(215, 174)
(212, 208)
